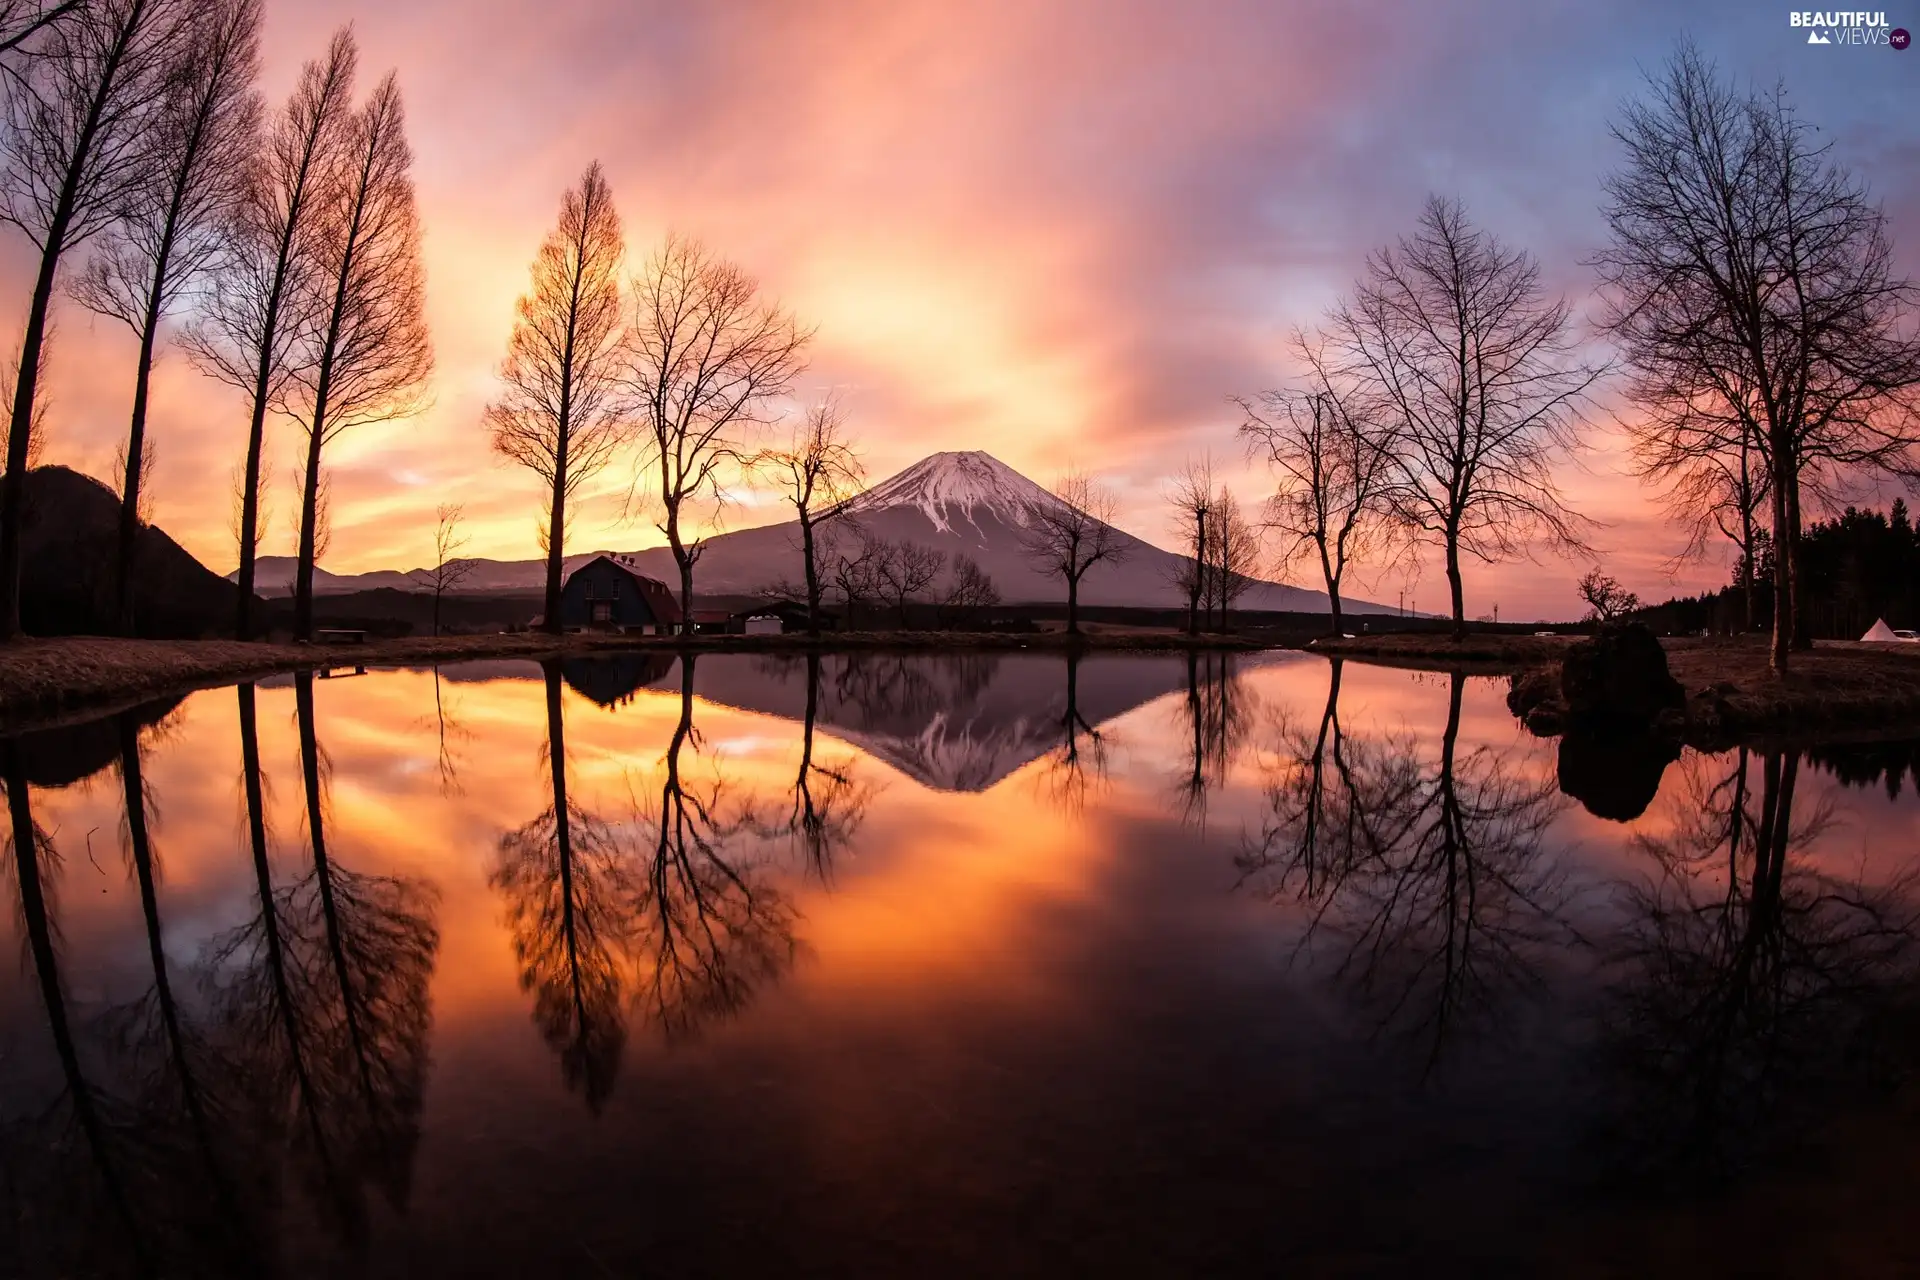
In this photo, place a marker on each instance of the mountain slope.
(961, 503)
(67, 545)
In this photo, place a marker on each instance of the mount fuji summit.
(961, 503)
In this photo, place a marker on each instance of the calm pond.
(962, 966)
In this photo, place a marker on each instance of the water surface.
(993, 964)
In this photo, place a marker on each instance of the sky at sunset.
(1061, 232)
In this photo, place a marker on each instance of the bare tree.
(1333, 464)
(263, 296)
(969, 589)
(1474, 363)
(1233, 553)
(904, 570)
(559, 416)
(370, 352)
(706, 360)
(818, 472)
(1192, 501)
(856, 558)
(1067, 537)
(449, 569)
(76, 115)
(197, 143)
(1752, 288)
(1606, 598)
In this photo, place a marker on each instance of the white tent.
(1880, 632)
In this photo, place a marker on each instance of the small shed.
(608, 594)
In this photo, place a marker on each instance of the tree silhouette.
(565, 882)
(251, 322)
(198, 140)
(558, 415)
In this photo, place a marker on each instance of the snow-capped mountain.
(966, 503)
(958, 489)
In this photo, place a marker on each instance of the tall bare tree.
(263, 296)
(1751, 285)
(449, 568)
(559, 415)
(197, 144)
(1233, 555)
(1191, 498)
(1333, 466)
(706, 360)
(76, 115)
(1068, 536)
(818, 472)
(370, 353)
(1475, 365)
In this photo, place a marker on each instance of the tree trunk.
(13, 486)
(556, 536)
(436, 617)
(129, 532)
(1333, 588)
(309, 535)
(1073, 604)
(250, 506)
(1802, 622)
(1782, 640)
(1454, 585)
(812, 571)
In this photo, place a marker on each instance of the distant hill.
(67, 544)
(965, 503)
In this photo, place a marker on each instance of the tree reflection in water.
(324, 995)
(661, 909)
(1754, 989)
(1079, 758)
(1217, 719)
(710, 926)
(566, 883)
(829, 798)
(178, 1084)
(79, 1139)
(1425, 879)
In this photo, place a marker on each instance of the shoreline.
(57, 680)
(1838, 690)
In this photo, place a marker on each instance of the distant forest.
(1855, 568)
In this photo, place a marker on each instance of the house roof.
(659, 599)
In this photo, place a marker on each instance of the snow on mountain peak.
(950, 487)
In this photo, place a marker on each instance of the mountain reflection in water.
(873, 963)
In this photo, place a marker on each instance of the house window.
(602, 610)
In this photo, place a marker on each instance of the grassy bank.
(47, 681)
